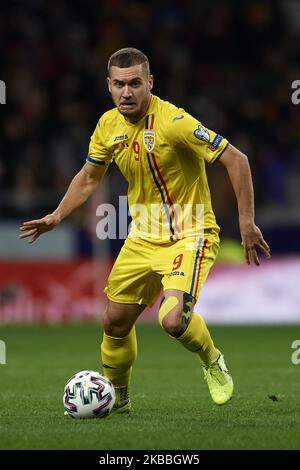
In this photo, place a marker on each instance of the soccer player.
(161, 150)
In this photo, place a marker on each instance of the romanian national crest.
(149, 140)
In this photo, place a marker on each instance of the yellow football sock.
(197, 339)
(118, 355)
(122, 395)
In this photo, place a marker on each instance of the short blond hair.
(127, 57)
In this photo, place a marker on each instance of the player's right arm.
(80, 189)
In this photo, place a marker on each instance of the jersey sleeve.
(185, 130)
(98, 153)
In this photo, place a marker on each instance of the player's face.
(130, 89)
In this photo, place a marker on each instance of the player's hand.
(252, 241)
(35, 228)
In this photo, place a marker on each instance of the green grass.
(172, 407)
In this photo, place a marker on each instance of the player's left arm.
(238, 168)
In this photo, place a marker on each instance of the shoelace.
(216, 373)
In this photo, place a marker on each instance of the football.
(88, 394)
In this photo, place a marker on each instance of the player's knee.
(170, 315)
(172, 323)
(174, 315)
(115, 326)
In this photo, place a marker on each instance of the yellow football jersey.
(162, 157)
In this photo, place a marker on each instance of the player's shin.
(196, 338)
(194, 334)
(118, 355)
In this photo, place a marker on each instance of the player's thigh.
(118, 319)
(132, 280)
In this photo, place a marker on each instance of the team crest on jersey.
(202, 133)
(149, 140)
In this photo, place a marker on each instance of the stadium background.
(231, 64)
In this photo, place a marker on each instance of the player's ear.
(108, 83)
(151, 81)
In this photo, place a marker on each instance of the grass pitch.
(172, 406)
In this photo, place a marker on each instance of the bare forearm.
(239, 172)
(241, 179)
(81, 187)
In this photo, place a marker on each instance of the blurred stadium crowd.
(229, 63)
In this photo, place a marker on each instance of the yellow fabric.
(142, 268)
(119, 354)
(121, 395)
(163, 157)
(166, 308)
(197, 339)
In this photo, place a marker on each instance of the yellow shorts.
(143, 268)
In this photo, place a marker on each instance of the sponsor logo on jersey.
(177, 118)
(202, 133)
(177, 273)
(119, 138)
(215, 143)
(149, 140)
